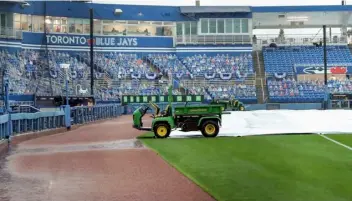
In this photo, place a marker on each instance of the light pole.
(67, 109)
(66, 67)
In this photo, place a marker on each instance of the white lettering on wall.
(99, 41)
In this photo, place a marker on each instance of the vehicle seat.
(166, 112)
(156, 108)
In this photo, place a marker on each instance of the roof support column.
(345, 16)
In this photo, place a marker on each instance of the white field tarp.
(263, 122)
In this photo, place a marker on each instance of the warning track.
(95, 162)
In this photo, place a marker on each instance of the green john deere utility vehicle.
(229, 105)
(207, 119)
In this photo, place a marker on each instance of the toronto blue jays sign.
(320, 69)
(98, 41)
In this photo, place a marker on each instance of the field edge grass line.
(180, 170)
(336, 142)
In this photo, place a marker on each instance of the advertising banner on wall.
(99, 41)
(337, 70)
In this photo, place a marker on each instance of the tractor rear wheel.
(210, 129)
(162, 130)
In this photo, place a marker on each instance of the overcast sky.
(226, 2)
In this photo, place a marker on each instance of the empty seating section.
(283, 59)
(120, 65)
(165, 62)
(290, 90)
(280, 61)
(79, 68)
(131, 88)
(340, 86)
(117, 74)
(36, 71)
(22, 68)
(239, 65)
(240, 91)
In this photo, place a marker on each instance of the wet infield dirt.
(95, 162)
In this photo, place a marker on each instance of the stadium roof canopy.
(214, 9)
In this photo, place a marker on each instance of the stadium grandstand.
(255, 54)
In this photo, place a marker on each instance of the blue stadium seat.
(283, 59)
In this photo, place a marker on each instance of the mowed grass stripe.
(262, 168)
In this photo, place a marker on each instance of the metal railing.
(213, 39)
(206, 83)
(8, 32)
(25, 109)
(297, 39)
(83, 115)
(17, 123)
(34, 122)
(262, 85)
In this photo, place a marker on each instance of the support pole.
(330, 35)
(7, 108)
(325, 57)
(6, 93)
(326, 97)
(91, 53)
(66, 86)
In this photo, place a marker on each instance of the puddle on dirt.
(15, 187)
(120, 144)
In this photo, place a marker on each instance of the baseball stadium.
(120, 102)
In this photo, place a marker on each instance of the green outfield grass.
(264, 168)
(344, 139)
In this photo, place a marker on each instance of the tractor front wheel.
(162, 130)
(210, 129)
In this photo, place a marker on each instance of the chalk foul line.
(336, 142)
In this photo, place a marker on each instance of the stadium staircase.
(151, 64)
(260, 81)
(25, 109)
